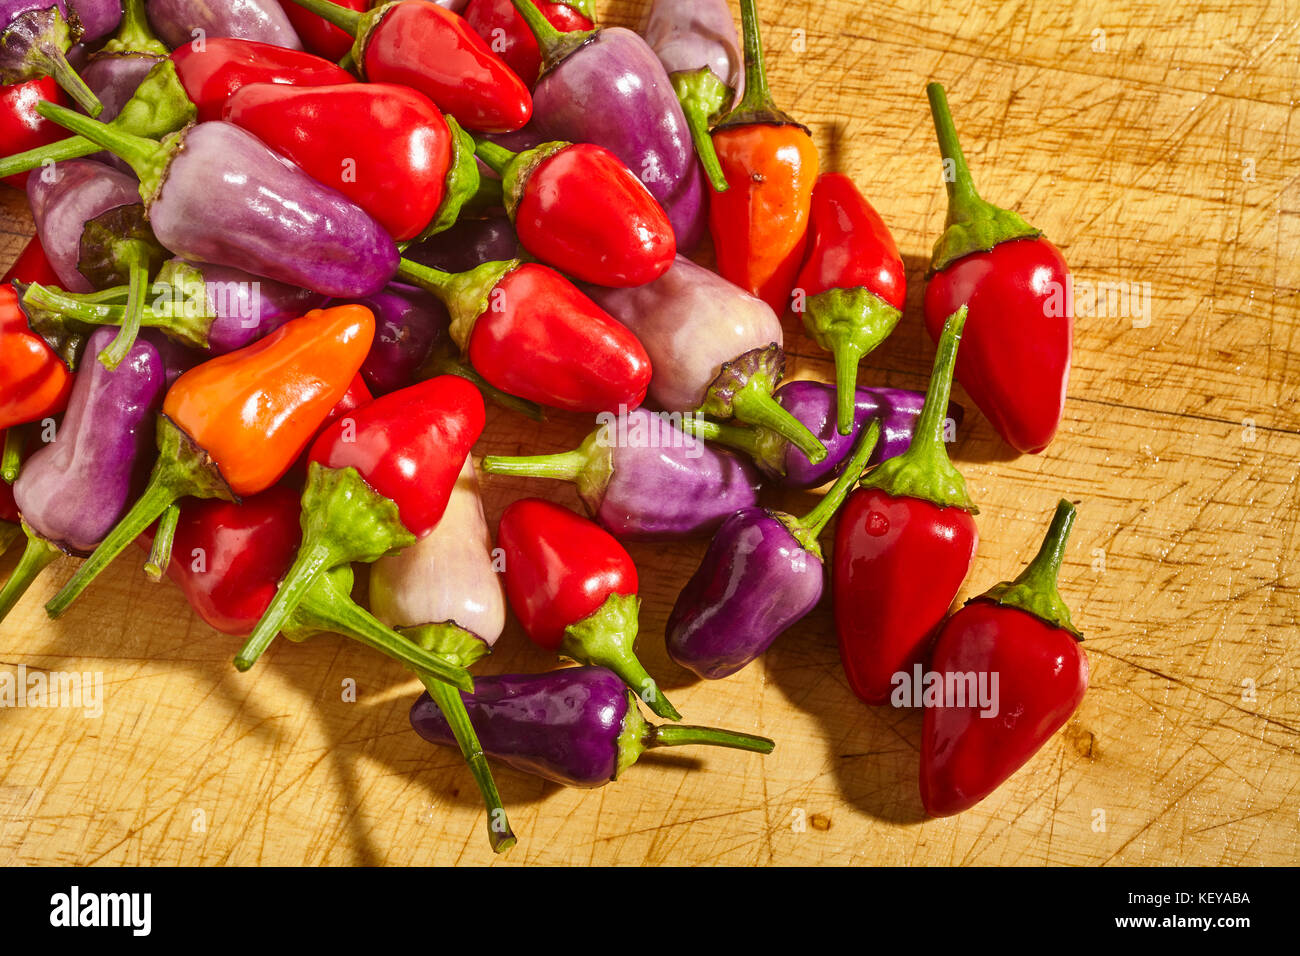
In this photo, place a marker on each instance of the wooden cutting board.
(1156, 145)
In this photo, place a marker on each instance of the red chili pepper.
(32, 266)
(358, 394)
(760, 223)
(379, 480)
(505, 31)
(212, 73)
(852, 285)
(319, 35)
(531, 333)
(36, 381)
(1015, 363)
(574, 589)
(21, 127)
(904, 545)
(395, 171)
(1019, 633)
(576, 207)
(235, 424)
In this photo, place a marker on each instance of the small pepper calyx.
(471, 296)
(743, 390)
(515, 178)
(448, 640)
(115, 241)
(461, 184)
(630, 744)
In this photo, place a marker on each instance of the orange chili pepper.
(760, 223)
(36, 382)
(233, 425)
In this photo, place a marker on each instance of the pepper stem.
(847, 355)
(553, 43)
(816, 520)
(732, 436)
(564, 466)
(963, 200)
(137, 282)
(756, 106)
(702, 95)
(37, 556)
(682, 735)
(72, 147)
(498, 158)
(12, 461)
(606, 638)
(146, 157)
(311, 563)
(53, 62)
(756, 406)
(134, 35)
(1035, 589)
(160, 555)
(349, 21)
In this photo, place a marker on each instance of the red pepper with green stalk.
(234, 425)
(419, 44)
(1019, 631)
(21, 127)
(574, 589)
(1015, 363)
(904, 545)
(505, 31)
(850, 291)
(379, 479)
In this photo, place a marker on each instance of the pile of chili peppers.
(287, 249)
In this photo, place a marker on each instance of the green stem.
(12, 461)
(757, 407)
(53, 62)
(146, 157)
(756, 106)
(847, 355)
(311, 563)
(564, 466)
(160, 555)
(815, 521)
(963, 200)
(1035, 589)
(349, 21)
(498, 158)
(73, 147)
(134, 34)
(9, 533)
(137, 283)
(697, 116)
(733, 436)
(682, 735)
(431, 280)
(37, 556)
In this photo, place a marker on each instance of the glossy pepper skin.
(259, 20)
(395, 172)
(469, 243)
(1021, 631)
(905, 543)
(1015, 363)
(760, 224)
(851, 289)
(21, 127)
(96, 18)
(62, 202)
(408, 324)
(213, 74)
(576, 726)
(36, 381)
(319, 36)
(235, 424)
(643, 477)
(35, 37)
(505, 31)
(573, 588)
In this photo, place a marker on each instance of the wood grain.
(1158, 151)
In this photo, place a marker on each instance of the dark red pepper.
(32, 266)
(21, 127)
(505, 31)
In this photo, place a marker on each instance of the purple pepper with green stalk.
(72, 491)
(408, 323)
(469, 243)
(763, 572)
(262, 20)
(699, 46)
(578, 726)
(35, 36)
(116, 70)
(641, 476)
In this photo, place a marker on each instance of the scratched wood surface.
(1155, 144)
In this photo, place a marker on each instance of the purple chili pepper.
(263, 20)
(469, 243)
(96, 18)
(408, 323)
(35, 37)
(116, 71)
(66, 196)
(762, 573)
(641, 476)
(607, 87)
(72, 491)
(697, 42)
(576, 726)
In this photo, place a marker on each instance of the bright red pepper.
(21, 127)
(379, 480)
(576, 207)
(505, 31)
(1015, 362)
(32, 266)
(395, 172)
(212, 74)
(852, 287)
(574, 589)
(1020, 633)
(760, 223)
(36, 381)
(531, 333)
(319, 35)
(904, 545)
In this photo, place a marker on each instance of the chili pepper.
(378, 480)
(468, 243)
(814, 404)
(233, 425)
(425, 47)
(408, 321)
(1015, 364)
(505, 31)
(904, 545)
(214, 71)
(260, 20)
(157, 107)
(761, 575)
(578, 357)
(95, 18)
(116, 71)
(32, 265)
(696, 42)
(713, 347)
(35, 36)
(850, 291)
(576, 207)
(1020, 633)
(573, 587)
(36, 383)
(577, 726)
(641, 476)
(276, 221)
(444, 593)
(318, 35)
(760, 224)
(608, 88)
(72, 491)
(21, 127)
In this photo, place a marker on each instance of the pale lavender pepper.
(96, 18)
(35, 39)
(63, 198)
(263, 20)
